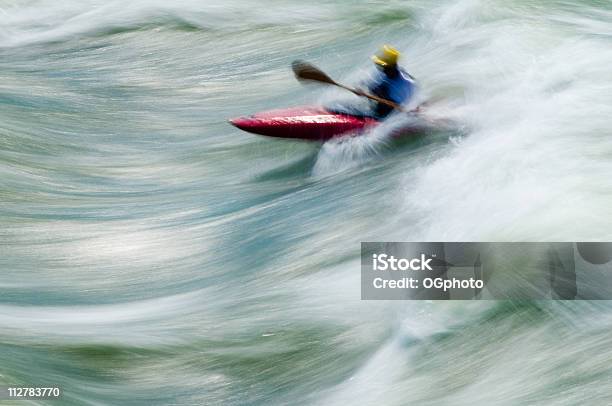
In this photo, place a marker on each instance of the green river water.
(151, 254)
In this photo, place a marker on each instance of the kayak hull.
(307, 123)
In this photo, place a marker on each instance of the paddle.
(306, 72)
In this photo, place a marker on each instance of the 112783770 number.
(33, 392)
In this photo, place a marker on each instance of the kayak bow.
(308, 123)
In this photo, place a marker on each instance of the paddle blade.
(305, 71)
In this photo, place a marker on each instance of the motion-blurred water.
(152, 254)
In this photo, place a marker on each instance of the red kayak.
(307, 123)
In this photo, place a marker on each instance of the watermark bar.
(486, 270)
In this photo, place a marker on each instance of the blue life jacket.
(398, 90)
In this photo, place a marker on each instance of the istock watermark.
(486, 270)
(383, 262)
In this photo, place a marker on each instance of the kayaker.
(389, 82)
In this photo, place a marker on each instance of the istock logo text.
(384, 262)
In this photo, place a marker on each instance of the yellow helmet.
(387, 56)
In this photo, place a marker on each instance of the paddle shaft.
(372, 97)
(305, 71)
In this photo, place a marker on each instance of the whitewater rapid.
(150, 253)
